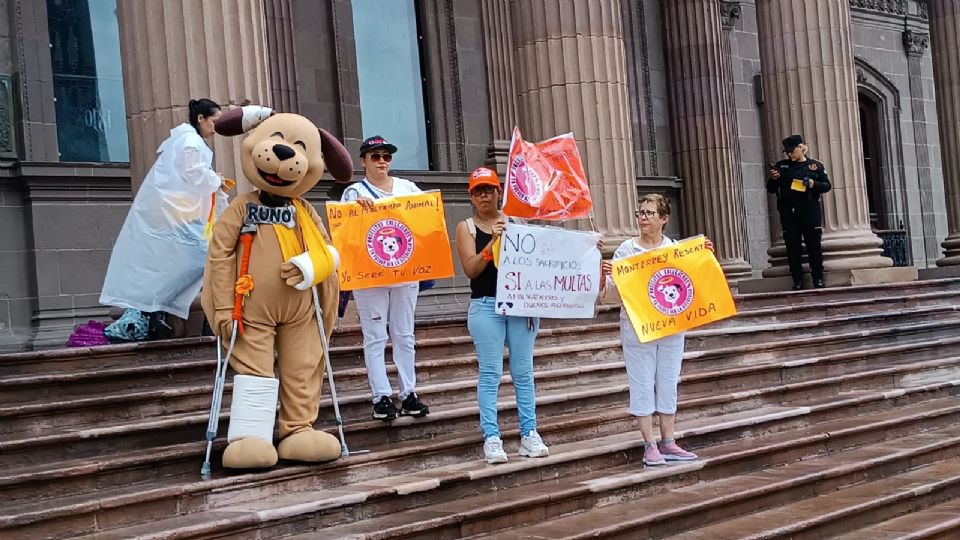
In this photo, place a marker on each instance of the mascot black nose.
(283, 151)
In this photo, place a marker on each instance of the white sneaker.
(493, 450)
(532, 446)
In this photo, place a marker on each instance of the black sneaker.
(385, 410)
(798, 284)
(158, 328)
(412, 406)
(818, 283)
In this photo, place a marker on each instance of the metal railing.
(895, 246)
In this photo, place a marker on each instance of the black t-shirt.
(486, 283)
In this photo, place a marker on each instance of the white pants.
(653, 370)
(379, 308)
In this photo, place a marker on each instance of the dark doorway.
(872, 159)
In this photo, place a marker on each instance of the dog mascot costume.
(269, 248)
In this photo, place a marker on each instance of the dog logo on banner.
(389, 243)
(525, 182)
(671, 291)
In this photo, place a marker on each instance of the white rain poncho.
(157, 262)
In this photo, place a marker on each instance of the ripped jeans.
(381, 308)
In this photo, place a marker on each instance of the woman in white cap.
(391, 307)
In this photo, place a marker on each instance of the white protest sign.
(548, 272)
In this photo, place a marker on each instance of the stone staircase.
(827, 413)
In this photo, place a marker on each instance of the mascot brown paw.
(249, 453)
(311, 446)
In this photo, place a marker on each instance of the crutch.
(344, 451)
(219, 382)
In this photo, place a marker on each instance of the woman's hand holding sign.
(367, 204)
(497, 229)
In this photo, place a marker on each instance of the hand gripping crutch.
(216, 403)
(344, 451)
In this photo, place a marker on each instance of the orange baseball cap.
(483, 177)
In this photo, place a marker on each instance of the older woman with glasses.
(653, 369)
(391, 307)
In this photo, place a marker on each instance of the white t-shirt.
(356, 190)
(630, 247)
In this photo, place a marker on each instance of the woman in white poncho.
(157, 263)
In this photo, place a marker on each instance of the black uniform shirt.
(794, 174)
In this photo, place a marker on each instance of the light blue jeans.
(490, 332)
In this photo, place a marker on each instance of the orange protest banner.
(546, 180)
(403, 240)
(668, 290)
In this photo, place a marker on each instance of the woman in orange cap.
(490, 331)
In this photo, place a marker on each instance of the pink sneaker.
(671, 452)
(652, 457)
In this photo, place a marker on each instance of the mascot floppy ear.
(241, 120)
(336, 157)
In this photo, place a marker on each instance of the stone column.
(702, 126)
(809, 86)
(945, 47)
(501, 79)
(177, 50)
(915, 45)
(572, 76)
(280, 39)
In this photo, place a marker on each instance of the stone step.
(698, 389)
(937, 522)
(847, 508)
(143, 376)
(35, 439)
(611, 460)
(132, 502)
(346, 342)
(41, 416)
(803, 311)
(41, 387)
(839, 294)
(776, 502)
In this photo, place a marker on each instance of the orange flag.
(546, 180)
(403, 240)
(671, 289)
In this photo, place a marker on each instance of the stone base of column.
(498, 153)
(951, 251)
(736, 269)
(942, 272)
(839, 278)
(842, 250)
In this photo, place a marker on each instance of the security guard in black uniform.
(798, 182)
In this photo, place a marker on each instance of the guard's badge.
(813, 166)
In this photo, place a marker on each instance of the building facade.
(685, 97)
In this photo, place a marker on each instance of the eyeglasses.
(377, 157)
(483, 191)
(645, 213)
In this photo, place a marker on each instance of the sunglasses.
(385, 157)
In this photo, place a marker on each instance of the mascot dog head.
(284, 154)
